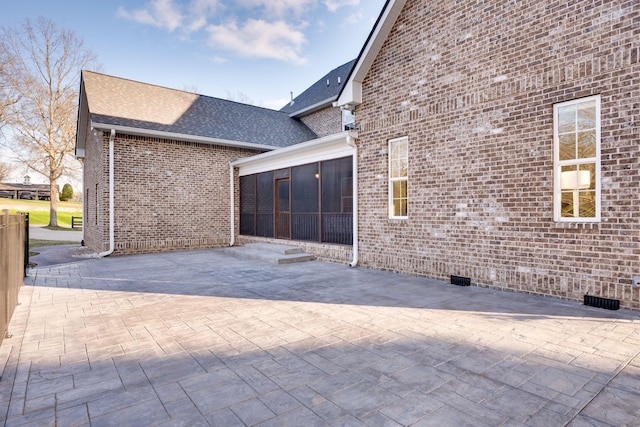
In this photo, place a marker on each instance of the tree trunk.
(53, 210)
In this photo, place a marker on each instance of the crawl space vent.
(609, 304)
(460, 281)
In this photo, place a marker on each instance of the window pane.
(399, 149)
(399, 198)
(567, 209)
(587, 204)
(586, 144)
(587, 180)
(567, 119)
(398, 168)
(587, 115)
(567, 146)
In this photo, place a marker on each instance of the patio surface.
(206, 338)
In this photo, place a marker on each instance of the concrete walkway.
(205, 338)
(39, 232)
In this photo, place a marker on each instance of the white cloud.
(200, 11)
(171, 15)
(219, 60)
(280, 8)
(159, 13)
(334, 5)
(259, 39)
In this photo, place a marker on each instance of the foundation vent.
(460, 281)
(609, 304)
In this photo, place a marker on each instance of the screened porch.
(311, 202)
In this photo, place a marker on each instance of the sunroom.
(305, 192)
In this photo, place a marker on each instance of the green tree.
(41, 71)
(67, 193)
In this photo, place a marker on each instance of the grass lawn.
(39, 210)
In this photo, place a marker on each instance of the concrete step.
(273, 253)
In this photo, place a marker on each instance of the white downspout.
(111, 199)
(232, 240)
(352, 144)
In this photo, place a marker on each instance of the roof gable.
(113, 101)
(321, 94)
(351, 94)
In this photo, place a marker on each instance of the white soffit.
(327, 148)
(352, 93)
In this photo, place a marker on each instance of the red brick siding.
(473, 87)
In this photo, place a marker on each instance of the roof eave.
(351, 94)
(182, 137)
(82, 122)
(313, 108)
(294, 150)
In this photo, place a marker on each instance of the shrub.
(67, 193)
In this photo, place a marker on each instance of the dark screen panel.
(337, 201)
(264, 204)
(248, 205)
(305, 202)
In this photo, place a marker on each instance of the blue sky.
(256, 50)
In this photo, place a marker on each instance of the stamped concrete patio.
(206, 338)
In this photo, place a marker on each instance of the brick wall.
(96, 187)
(472, 85)
(169, 195)
(324, 122)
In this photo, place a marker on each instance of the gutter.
(351, 142)
(232, 240)
(111, 200)
(182, 137)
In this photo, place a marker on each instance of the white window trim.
(557, 164)
(392, 180)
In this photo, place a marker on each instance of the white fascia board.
(329, 147)
(183, 137)
(352, 93)
(82, 123)
(313, 108)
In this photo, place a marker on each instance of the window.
(577, 160)
(398, 177)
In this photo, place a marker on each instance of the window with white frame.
(577, 160)
(398, 177)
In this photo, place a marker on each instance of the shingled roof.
(118, 102)
(321, 94)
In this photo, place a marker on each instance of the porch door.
(283, 209)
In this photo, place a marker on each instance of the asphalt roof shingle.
(321, 93)
(117, 101)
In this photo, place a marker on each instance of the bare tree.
(240, 97)
(8, 95)
(5, 171)
(43, 70)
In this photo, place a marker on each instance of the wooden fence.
(12, 265)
